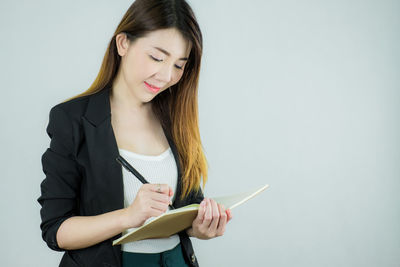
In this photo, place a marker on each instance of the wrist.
(124, 221)
(189, 231)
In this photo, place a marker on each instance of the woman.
(143, 107)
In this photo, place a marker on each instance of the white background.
(301, 95)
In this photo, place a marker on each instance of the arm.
(59, 189)
(84, 231)
(62, 228)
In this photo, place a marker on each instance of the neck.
(123, 98)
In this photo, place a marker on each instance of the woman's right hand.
(151, 200)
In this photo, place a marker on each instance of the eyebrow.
(167, 53)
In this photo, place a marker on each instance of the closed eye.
(159, 60)
(156, 59)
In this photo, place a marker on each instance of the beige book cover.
(174, 221)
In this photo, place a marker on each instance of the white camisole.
(155, 169)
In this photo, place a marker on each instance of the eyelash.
(159, 60)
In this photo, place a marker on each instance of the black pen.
(129, 168)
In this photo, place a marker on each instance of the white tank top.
(155, 169)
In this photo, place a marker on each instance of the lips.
(152, 88)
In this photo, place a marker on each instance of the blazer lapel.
(103, 151)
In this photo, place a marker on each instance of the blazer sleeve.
(60, 187)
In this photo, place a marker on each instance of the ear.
(122, 44)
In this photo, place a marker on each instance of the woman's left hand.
(210, 221)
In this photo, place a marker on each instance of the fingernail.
(203, 203)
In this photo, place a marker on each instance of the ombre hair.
(177, 108)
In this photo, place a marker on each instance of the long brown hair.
(177, 108)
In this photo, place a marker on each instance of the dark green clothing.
(169, 258)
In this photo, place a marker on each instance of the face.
(153, 63)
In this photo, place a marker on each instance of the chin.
(148, 98)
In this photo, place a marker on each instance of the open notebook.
(174, 221)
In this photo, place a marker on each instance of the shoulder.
(65, 120)
(74, 108)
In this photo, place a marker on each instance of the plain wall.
(301, 95)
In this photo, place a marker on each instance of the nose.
(165, 74)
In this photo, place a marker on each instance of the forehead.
(170, 40)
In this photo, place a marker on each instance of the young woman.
(143, 107)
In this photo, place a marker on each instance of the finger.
(222, 220)
(207, 215)
(160, 188)
(202, 211)
(229, 213)
(159, 206)
(215, 216)
(159, 197)
(154, 212)
(170, 194)
(222, 214)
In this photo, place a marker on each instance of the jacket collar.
(98, 112)
(99, 108)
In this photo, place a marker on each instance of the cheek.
(177, 77)
(138, 68)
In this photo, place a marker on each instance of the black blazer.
(83, 178)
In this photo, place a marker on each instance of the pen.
(132, 170)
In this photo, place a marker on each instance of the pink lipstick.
(152, 88)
